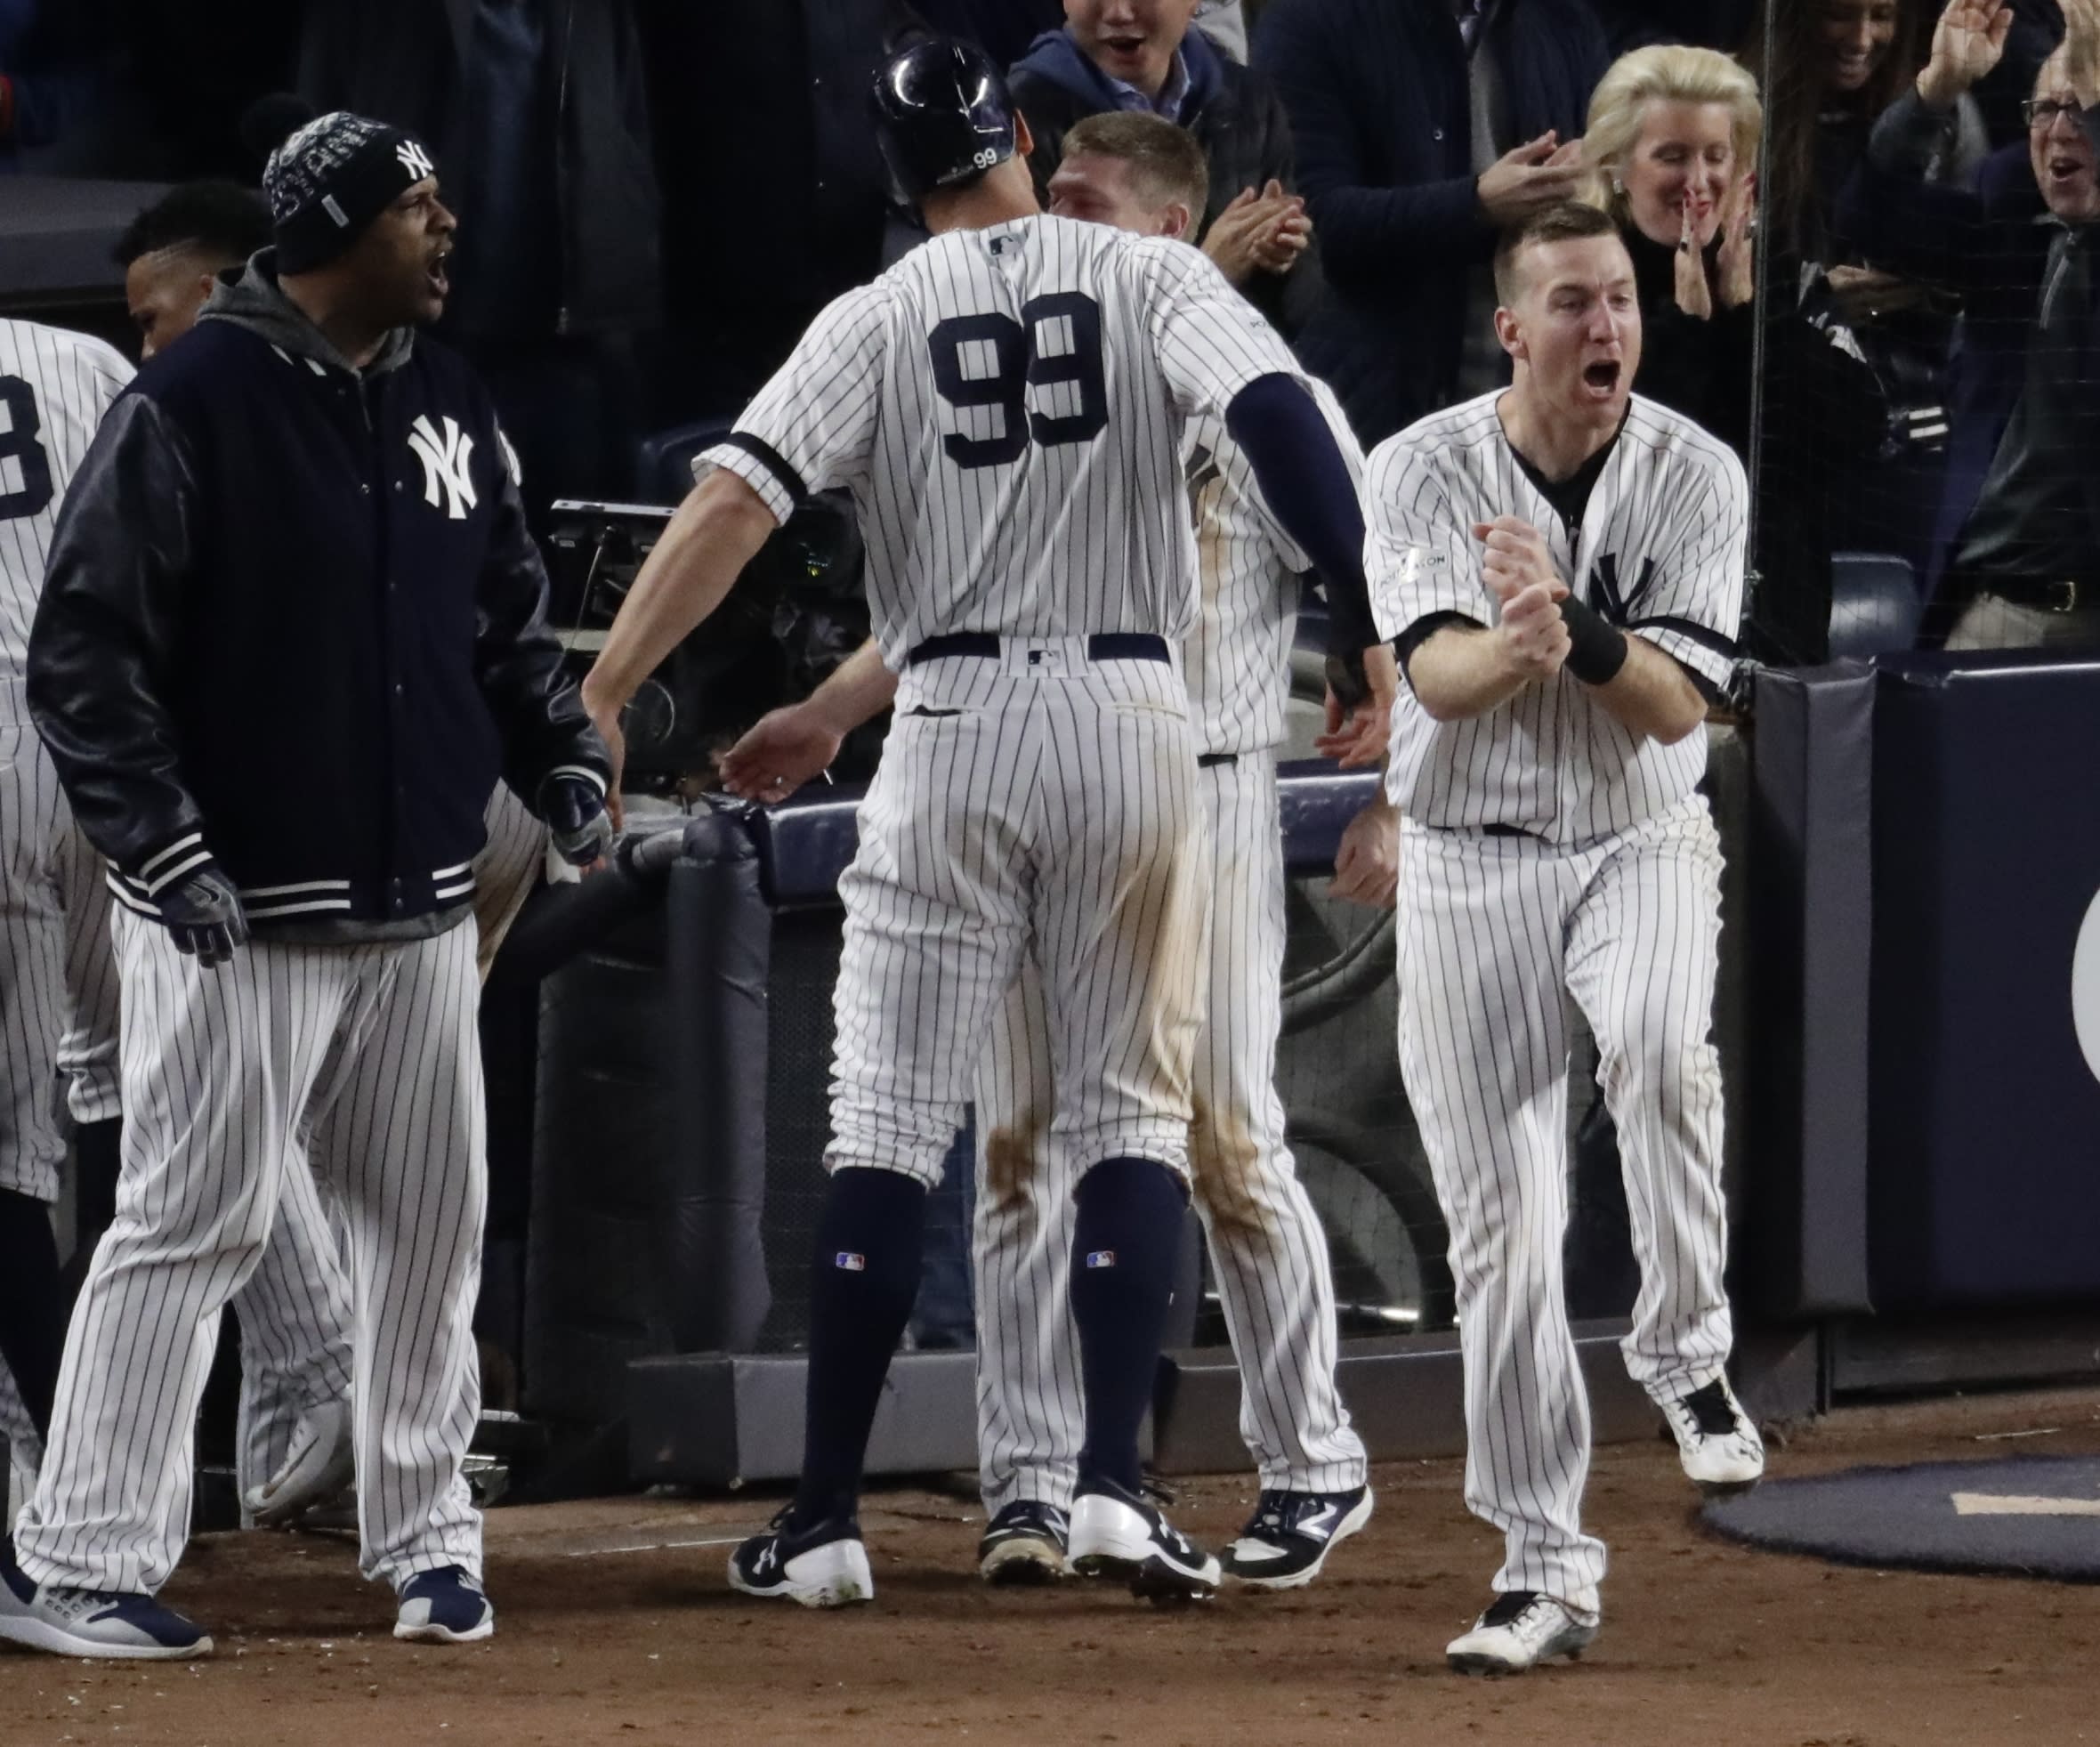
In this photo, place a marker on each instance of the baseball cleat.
(321, 1462)
(822, 1566)
(1026, 1543)
(444, 1606)
(1520, 1630)
(1116, 1533)
(1287, 1539)
(89, 1622)
(1716, 1443)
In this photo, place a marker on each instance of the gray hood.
(250, 297)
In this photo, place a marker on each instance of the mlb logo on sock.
(1100, 1258)
(850, 1263)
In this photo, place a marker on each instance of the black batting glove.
(204, 915)
(575, 812)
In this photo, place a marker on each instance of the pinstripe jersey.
(1660, 551)
(1007, 406)
(1237, 661)
(54, 387)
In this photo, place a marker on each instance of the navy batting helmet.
(941, 115)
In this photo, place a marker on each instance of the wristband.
(1596, 647)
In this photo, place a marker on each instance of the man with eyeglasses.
(2016, 549)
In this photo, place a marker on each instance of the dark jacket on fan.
(1381, 114)
(1235, 115)
(292, 621)
(402, 61)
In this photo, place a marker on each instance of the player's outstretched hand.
(204, 916)
(1367, 866)
(1358, 736)
(786, 748)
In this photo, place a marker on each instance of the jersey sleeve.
(1418, 555)
(812, 426)
(1210, 340)
(1693, 610)
(1239, 471)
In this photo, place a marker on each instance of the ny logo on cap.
(415, 160)
(444, 464)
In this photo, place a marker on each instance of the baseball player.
(54, 388)
(1562, 566)
(1145, 175)
(290, 843)
(1007, 405)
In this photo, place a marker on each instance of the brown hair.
(1563, 221)
(1792, 77)
(1165, 157)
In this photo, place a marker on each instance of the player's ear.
(1024, 141)
(1176, 220)
(1511, 334)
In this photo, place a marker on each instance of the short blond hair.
(1667, 74)
(1165, 159)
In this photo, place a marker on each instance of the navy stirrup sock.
(862, 1283)
(1124, 1248)
(32, 1305)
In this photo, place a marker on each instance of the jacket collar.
(250, 297)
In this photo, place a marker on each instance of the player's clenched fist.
(1519, 570)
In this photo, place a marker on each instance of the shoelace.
(73, 1605)
(1510, 1607)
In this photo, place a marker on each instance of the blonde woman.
(1671, 149)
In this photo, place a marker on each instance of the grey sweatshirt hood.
(250, 297)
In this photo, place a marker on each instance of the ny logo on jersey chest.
(444, 464)
(1607, 595)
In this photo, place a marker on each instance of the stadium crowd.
(656, 198)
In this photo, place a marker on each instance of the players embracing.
(1562, 564)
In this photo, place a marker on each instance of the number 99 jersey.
(1006, 407)
(54, 387)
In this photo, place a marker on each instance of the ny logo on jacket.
(445, 462)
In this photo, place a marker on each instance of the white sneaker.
(1716, 1443)
(1522, 1629)
(321, 1462)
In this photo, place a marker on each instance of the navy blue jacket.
(1991, 242)
(1381, 116)
(292, 621)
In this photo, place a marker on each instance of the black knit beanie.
(331, 178)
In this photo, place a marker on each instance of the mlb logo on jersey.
(1100, 1258)
(850, 1262)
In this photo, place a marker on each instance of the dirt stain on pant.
(1012, 1159)
(1223, 1167)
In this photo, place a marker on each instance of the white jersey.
(1237, 661)
(1007, 406)
(1660, 551)
(54, 387)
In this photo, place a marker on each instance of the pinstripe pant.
(1039, 809)
(372, 1050)
(34, 820)
(1495, 934)
(1267, 1250)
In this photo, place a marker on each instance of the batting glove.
(574, 808)
(204, 915)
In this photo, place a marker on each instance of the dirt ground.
(616, 1626)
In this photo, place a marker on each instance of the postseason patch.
(1394, 599)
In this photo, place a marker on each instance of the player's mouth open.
(1128, 47)
(2064, 169)
(1603, 376)
(435, 273)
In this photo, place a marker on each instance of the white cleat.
(1716, 1443)
(322, 1461)
(1117, 1534)
(823, 1566)
(1520, 1630)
